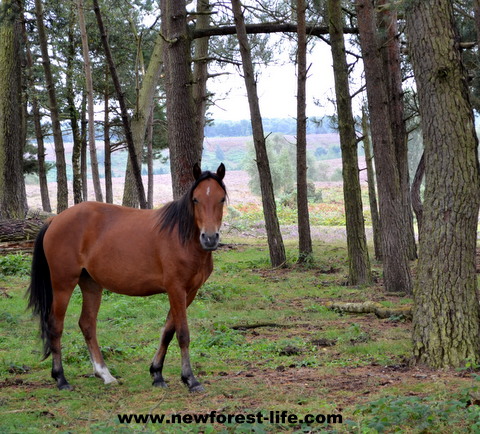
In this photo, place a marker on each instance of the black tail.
(40, 293)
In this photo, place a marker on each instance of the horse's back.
(88, 222)
(110, 242)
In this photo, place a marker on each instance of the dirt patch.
(20, 383)
(353, 385)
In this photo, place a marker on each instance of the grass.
(262, 341)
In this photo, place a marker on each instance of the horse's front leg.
(156, 367)
(179, 301)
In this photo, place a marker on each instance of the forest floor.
(262, 340)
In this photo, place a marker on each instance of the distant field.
(230, 150)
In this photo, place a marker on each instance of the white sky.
(277, 89)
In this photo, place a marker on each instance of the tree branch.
(265, 28)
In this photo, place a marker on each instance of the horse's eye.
(223, 200)
(195, 200)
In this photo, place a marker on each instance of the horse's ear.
(221, 171)
(196, 171)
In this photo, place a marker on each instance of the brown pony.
(132, 252)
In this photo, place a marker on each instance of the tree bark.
(182, 134)
(150, 161)
(396, 270)
(416, 199)
(62, 186)
(83, 150)
(264, 28)
(141, 116)
(304, 236)
(72, 110)
(12, 185)
(19, 229)
(446, 315)
(90, 104)
(390, 50)
(107, 149)
(476, 14)
(37, 122)
(275, 241)
(378, 309)
(372, 194)
(358, 258)
(123, 108)
(200, 71)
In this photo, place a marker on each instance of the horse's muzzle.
(209, 241)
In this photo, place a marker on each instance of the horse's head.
(208, 199)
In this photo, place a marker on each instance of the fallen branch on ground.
(258, 325)
(19, 230)
(371, 307)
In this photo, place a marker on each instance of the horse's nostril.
(209, 240)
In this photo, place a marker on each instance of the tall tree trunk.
(83, 150)
(446, 314)
(416, 199)
(182, 134)
(90, 104)
(275, 241)
(396, 270)
(372, 193)
(200, 71)
(476, 14)
(305, 239)
(107, 149)
(62, 186)
(358, 259)
(123, 108)
(390, 49)
(141, 115)
(72, 110)
(37, 122)
(150, 161)
(12, 185)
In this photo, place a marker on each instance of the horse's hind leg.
(57, 317)
(92, 296)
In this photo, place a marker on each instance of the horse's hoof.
(65, 386)
(161, 384)
(198, 388)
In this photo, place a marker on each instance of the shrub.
(15, 265)
(281, 158)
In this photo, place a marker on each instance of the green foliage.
(387, 414)
(219, 336)
(15, 265)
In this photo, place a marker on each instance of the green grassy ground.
(262, 341)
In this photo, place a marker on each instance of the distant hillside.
(241, 128)
(233, 150)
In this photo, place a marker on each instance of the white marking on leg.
(103, 373)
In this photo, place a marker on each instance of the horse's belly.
(123, 282)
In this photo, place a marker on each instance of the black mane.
(180, 212)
